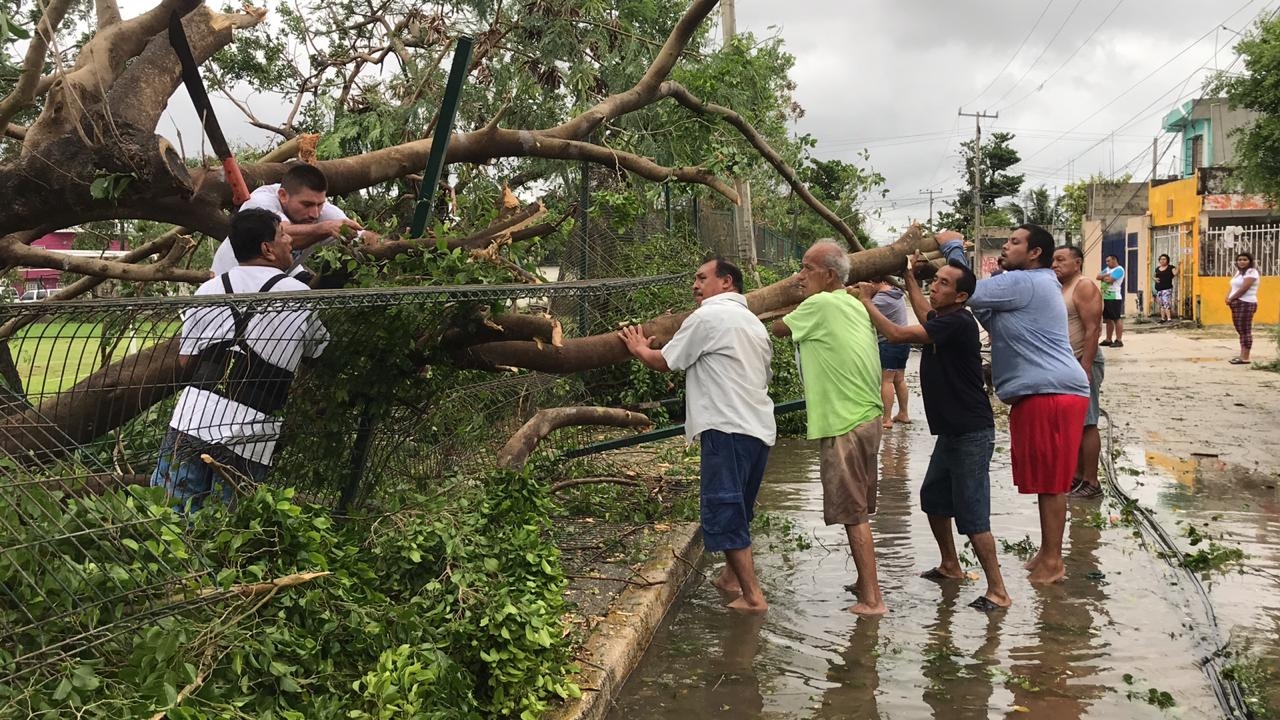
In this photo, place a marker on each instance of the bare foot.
(1047, 574)
(867, 610)
(886, 424)
(727, 583)
(903, 419)
(1034, 562)
(741, 605)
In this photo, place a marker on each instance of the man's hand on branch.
(634, 338)
(864, 291)
(340, 228)
(948, 235)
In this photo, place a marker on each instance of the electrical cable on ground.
(1228, 693)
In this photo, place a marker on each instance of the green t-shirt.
(839, 362)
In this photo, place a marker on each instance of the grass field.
(52, 356)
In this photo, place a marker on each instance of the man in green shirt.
(840, 366)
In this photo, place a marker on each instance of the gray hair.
(834, 258)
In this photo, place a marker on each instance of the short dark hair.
(249, 229)
(1073, 249)
(1165, 256)
(1244, 255)
(725, 269)
(968, 282)
(304, 177)
(1112, 257)
(1038, 237)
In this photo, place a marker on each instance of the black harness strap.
(245, 376)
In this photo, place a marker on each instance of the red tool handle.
(239, 189)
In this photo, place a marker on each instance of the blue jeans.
(893, 356)
(958, 481)
(731, 471)
(188, 480)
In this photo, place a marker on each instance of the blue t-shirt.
(1027, 319)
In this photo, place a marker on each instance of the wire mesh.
(346, 396)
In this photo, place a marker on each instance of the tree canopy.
(1258, 145)
(634, 86)
(998, 156)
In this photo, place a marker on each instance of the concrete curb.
(617, 643)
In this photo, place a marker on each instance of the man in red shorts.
(1035, 372)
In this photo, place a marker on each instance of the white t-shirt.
(281, 337)
(725, 352)
(1250, 295)
(266, 197)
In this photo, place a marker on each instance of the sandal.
(1238, 361)
(985, 604)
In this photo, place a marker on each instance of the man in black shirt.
(957, 483)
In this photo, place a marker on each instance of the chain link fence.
(371, 406)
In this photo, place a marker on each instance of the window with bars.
(1220, 245)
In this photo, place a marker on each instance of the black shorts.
(1112, 309)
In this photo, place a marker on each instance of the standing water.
(1119, 638)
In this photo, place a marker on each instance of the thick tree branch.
(578, 354)
(681, 94)
(24, 92)
(96, 68)
(15, 132)
(646, 90)
(18, 254)
(361, 171)
(141, 92)
(516, 452)
(108, 12)
(163, 244)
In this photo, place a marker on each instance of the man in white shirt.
(725, 353)
(308, 217)
(244, 363)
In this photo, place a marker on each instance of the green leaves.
(110, 186)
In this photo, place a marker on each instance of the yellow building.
(1202, 226)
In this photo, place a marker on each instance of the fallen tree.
(126, 388)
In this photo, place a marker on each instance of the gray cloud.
(890, 77)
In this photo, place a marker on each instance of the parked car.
(34, 295)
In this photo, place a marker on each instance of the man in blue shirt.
(1036, 373)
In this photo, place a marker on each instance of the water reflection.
(1051, 674)
(1060, 652)
(854, 677)
(959, 687)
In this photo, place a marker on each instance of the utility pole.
(743, 222)
(977, 169)
(1155, 157)
(930, 193)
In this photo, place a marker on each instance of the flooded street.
(1119, 637)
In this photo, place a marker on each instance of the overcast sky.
(1083, 84)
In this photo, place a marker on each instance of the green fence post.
(440, 139)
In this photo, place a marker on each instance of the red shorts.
(1044, 437)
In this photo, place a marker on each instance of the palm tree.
(1037, 207)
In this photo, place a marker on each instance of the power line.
(1145, 78)
(1042, 52)
(1009, 62)
(1079, 47)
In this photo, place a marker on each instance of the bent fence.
(88, 388)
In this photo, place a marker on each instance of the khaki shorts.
(850, 468)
